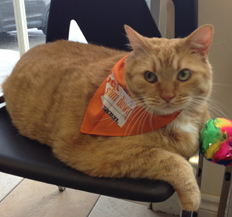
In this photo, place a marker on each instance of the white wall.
(219, 14)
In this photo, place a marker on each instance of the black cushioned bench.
(27, 158)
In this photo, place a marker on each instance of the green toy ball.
(216, 141)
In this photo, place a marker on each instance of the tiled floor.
(35, 199)
(7, 184)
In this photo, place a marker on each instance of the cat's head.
(169, 75)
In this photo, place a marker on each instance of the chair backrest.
(186, 17)
(101, 21)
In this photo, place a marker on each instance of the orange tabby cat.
(51, 86)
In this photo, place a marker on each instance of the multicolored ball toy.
(216, 141)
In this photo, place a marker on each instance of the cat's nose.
(168, 98)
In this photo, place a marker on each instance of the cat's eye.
(184, 75)
(150, 77)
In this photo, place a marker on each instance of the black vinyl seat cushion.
(29, 159)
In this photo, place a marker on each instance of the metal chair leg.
(186, 214)
(149, 206)
(225, 192)
(61, 188)
(199, 170)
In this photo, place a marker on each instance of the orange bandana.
(112, 112)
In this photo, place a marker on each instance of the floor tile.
(111, 207)
(8, 183)
(36, 199)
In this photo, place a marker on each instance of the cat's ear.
(137, 41)
(201, 39)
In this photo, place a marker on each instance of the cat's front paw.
(190, 200)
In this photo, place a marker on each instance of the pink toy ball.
(216, 141)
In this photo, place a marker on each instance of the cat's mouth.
(168, 109)
(163, 110)
(174, 105)
(158, 108)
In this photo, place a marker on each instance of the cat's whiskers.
(225, 85)
(151, 121)
(138, 101)
(103, 119)
(139, 109)
(141, 105)
(136, 112)
(215, 107)
(109, 118)
(219, 107)
(216, 111)
(140, 116)
(196, 101)
(142, 120)
(152, 100)
(150, 103)
(111, 123)
(180, 101)
(147, 116)
(155, 107)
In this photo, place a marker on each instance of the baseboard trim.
(208, 208)
(209, 202)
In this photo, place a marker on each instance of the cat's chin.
(167, 110)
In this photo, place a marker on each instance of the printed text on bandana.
(116, 103)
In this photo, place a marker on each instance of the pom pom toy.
(216, 141)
